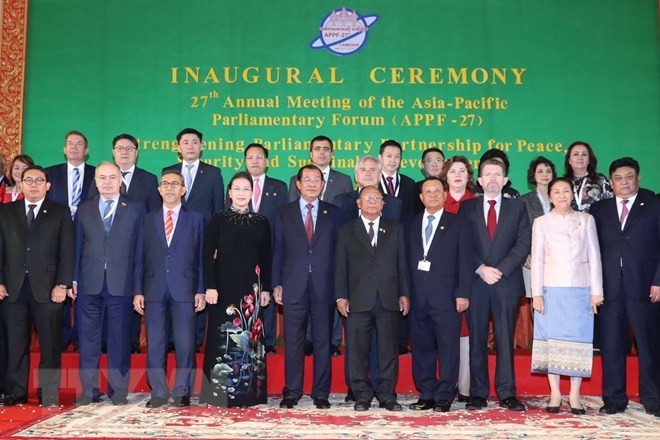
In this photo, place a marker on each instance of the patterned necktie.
(429, 228)
(123, 188)
(491, 222)
(390, 186)
(169, 226)
(107, 215)
(309, 223)
(372, 234)
(75, 188)
(256, 195)
(30, 215)
(624, 212)
(189, 180)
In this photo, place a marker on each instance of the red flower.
(257, 330)
(257, 270)
(237, 322)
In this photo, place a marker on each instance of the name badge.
(424, 265)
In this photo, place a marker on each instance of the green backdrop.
(547, 73)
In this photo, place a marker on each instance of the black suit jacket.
(408, 193)
(207, 193)
(273, 197)
(506, 252)
(347, 203)
(46, 250)
(59, 187)
(636, 246)
(144, 187)
(451, 257)
(363, 273)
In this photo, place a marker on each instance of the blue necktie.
(75, 188)
(107, 215)
(429, 228)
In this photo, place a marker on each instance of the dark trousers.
(47, 318)
(616, 314)
(118, 310)
(373, 360)
(270, 324)
(435, 337)
(4, 349)
(504, 310)
(336, 329)
(295, 328)
(161, 316)
(360, 327)
(69, 322)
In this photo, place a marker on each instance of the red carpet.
(527, 383)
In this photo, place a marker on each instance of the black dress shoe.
(442, 406)
(463, 398)
(577, 411)
(119, 400)
(288, 402)
(104, 348)
(350, 397)
(512, 404)
(181, 401)
(86, 400)
(334, 350)
(156, 402)
(422, 405)
(657, 412)
(269, 349)
(170, 347)
(610, 409)
(135, 348)
(391, 405)
(362, 405)
(11, 400)
(476, 403)
(309, 348)
(321, 402)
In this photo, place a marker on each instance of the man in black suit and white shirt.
(502, 240)
(36, 269)
(371, 288)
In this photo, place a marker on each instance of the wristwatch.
(63, 286)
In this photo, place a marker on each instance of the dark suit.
(372, 279)
(347, 202)
(273, 196)
(506, 252)
(306, 273)
(59, 193)
(105, 266)
(407, 192)
(207, 193)
(169, 277)
(32, 262)
(434, 322)
(338, 183)
(206, 197)
(144, 187)
(631, 265)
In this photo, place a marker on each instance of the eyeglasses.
(255, 157)
(31, 180)
(173, 185)
(372, 198)
(126, 149)
(431, 160)
(241, 189)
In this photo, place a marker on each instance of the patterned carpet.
(134, 421)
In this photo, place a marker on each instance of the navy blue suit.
(306, 273)
(207, 193)
(506, 252)
(59, 193)
(434, 323)
(338, 183)
(631, 265)
(273, 196)
(144, 187)
(104, 270)
(169, 276)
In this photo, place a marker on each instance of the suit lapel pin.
(325, 212)
(641, 204)
(442, 228)
(45, 212)
(267, 194)
(123, 204)
(382, 230)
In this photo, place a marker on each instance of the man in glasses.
(39, 233)
(170, 289)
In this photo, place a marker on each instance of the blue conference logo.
(343, 32)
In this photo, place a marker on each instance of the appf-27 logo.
(343, 32)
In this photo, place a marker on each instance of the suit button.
(309, 252)
(28, 249)
(167, 270)
(168, 256)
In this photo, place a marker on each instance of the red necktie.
(169, 226)
(624, 212)
(256, 194)
(309, 223)
(491, 222)
(390, 186)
